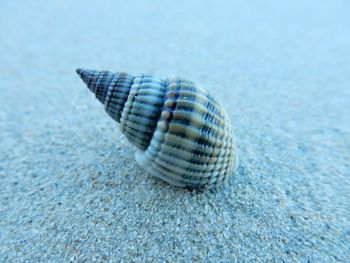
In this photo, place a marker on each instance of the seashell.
(182, 133)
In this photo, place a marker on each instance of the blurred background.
(69, 186)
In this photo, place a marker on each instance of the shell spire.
(97, 82)
(111, 89)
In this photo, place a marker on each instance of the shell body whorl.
(183, 134)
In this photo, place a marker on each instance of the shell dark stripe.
(202, 110)
(196, 169)
(102, 83)
(149, 91)
(201, 149)
(145, 126)
(144, 109)
(121, 87)
(176, 141)
(201, 101)
(92, 80)
(132, 136)
(179, 154)
(117, 95)
(176, 127)
(193, 157)
(190, 157)
(197, 120)
(151, 100)
(113, 102)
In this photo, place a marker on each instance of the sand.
(70, 189)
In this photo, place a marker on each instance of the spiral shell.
(182, 134)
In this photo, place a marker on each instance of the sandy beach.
(70, 189)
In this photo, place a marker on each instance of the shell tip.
(86, 75)
(79, 71)
(82, 72)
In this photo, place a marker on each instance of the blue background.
(70, 188)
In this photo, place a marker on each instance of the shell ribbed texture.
(183, 135)
(142, 110)
(193, 144)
